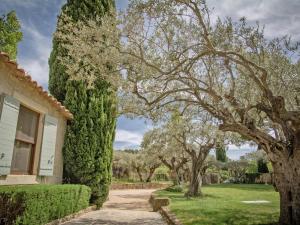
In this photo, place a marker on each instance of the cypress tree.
(89, 136)
(221, 153)
(78, 10)
(262, 166)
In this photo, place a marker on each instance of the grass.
(222, 205)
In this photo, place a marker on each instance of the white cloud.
(280, 17)
(36, 64)
(25, 3)
(128, 137)
(235, 152)
(37, 69)
(242, 147)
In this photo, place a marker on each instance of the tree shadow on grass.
(224, 217)
(246, 187)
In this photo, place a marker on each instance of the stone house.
(32, 128)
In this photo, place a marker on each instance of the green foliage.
(224, 174)
(251, 177)
(262, 166)
(82, 10)
(40, 204)
(175, 188)
(222, 204)
(162, 173)
(89, 137)
(221, 153)
(10, 34)
(252, 167)
(270, 167)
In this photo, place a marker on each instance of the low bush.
(251, 177)
(40, 204)
(175, 188)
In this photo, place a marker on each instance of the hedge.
(40, 204)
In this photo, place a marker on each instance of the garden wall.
(120, 186)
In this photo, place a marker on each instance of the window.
(22, 161)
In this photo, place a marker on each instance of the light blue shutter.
(48, 146)
(9, 112)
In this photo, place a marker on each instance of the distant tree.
(262, 166)
(133, 151)
(161, 143)
(10, 34)
(259, 157)
(221, 152)
(197, 138)
(145, 165)
(122, 164)
(237, 169)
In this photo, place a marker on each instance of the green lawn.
(222, 205)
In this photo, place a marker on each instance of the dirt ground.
(124, 207)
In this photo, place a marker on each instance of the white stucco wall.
(30, 98)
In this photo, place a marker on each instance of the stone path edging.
(169, 216)
(72, 216)
(166, 213)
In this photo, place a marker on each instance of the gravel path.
(124, 207)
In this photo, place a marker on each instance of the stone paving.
(124, 207)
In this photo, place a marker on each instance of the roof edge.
(23, 76)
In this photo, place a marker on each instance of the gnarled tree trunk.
(138, 170)
(151, 173)
(196, 180)
(287, 183)
(174, 168)
(174, 177)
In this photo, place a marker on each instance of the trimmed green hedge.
(40, 204)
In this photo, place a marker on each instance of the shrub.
(161, 173)
(251, 177)
(40, 204)
(175, 188)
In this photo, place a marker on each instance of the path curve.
(124, 207)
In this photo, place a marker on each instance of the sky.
(38, 20)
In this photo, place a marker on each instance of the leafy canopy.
(10, 34)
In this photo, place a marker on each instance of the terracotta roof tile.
(23, 76)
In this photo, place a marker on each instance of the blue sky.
(38, 20)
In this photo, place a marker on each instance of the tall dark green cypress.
(89, 136)
(262, 166)
(221, 152)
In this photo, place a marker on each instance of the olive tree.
(161, 143)
(197, 138)
(175, 54)
(144, 165)
(237, 170)
(121, 164)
